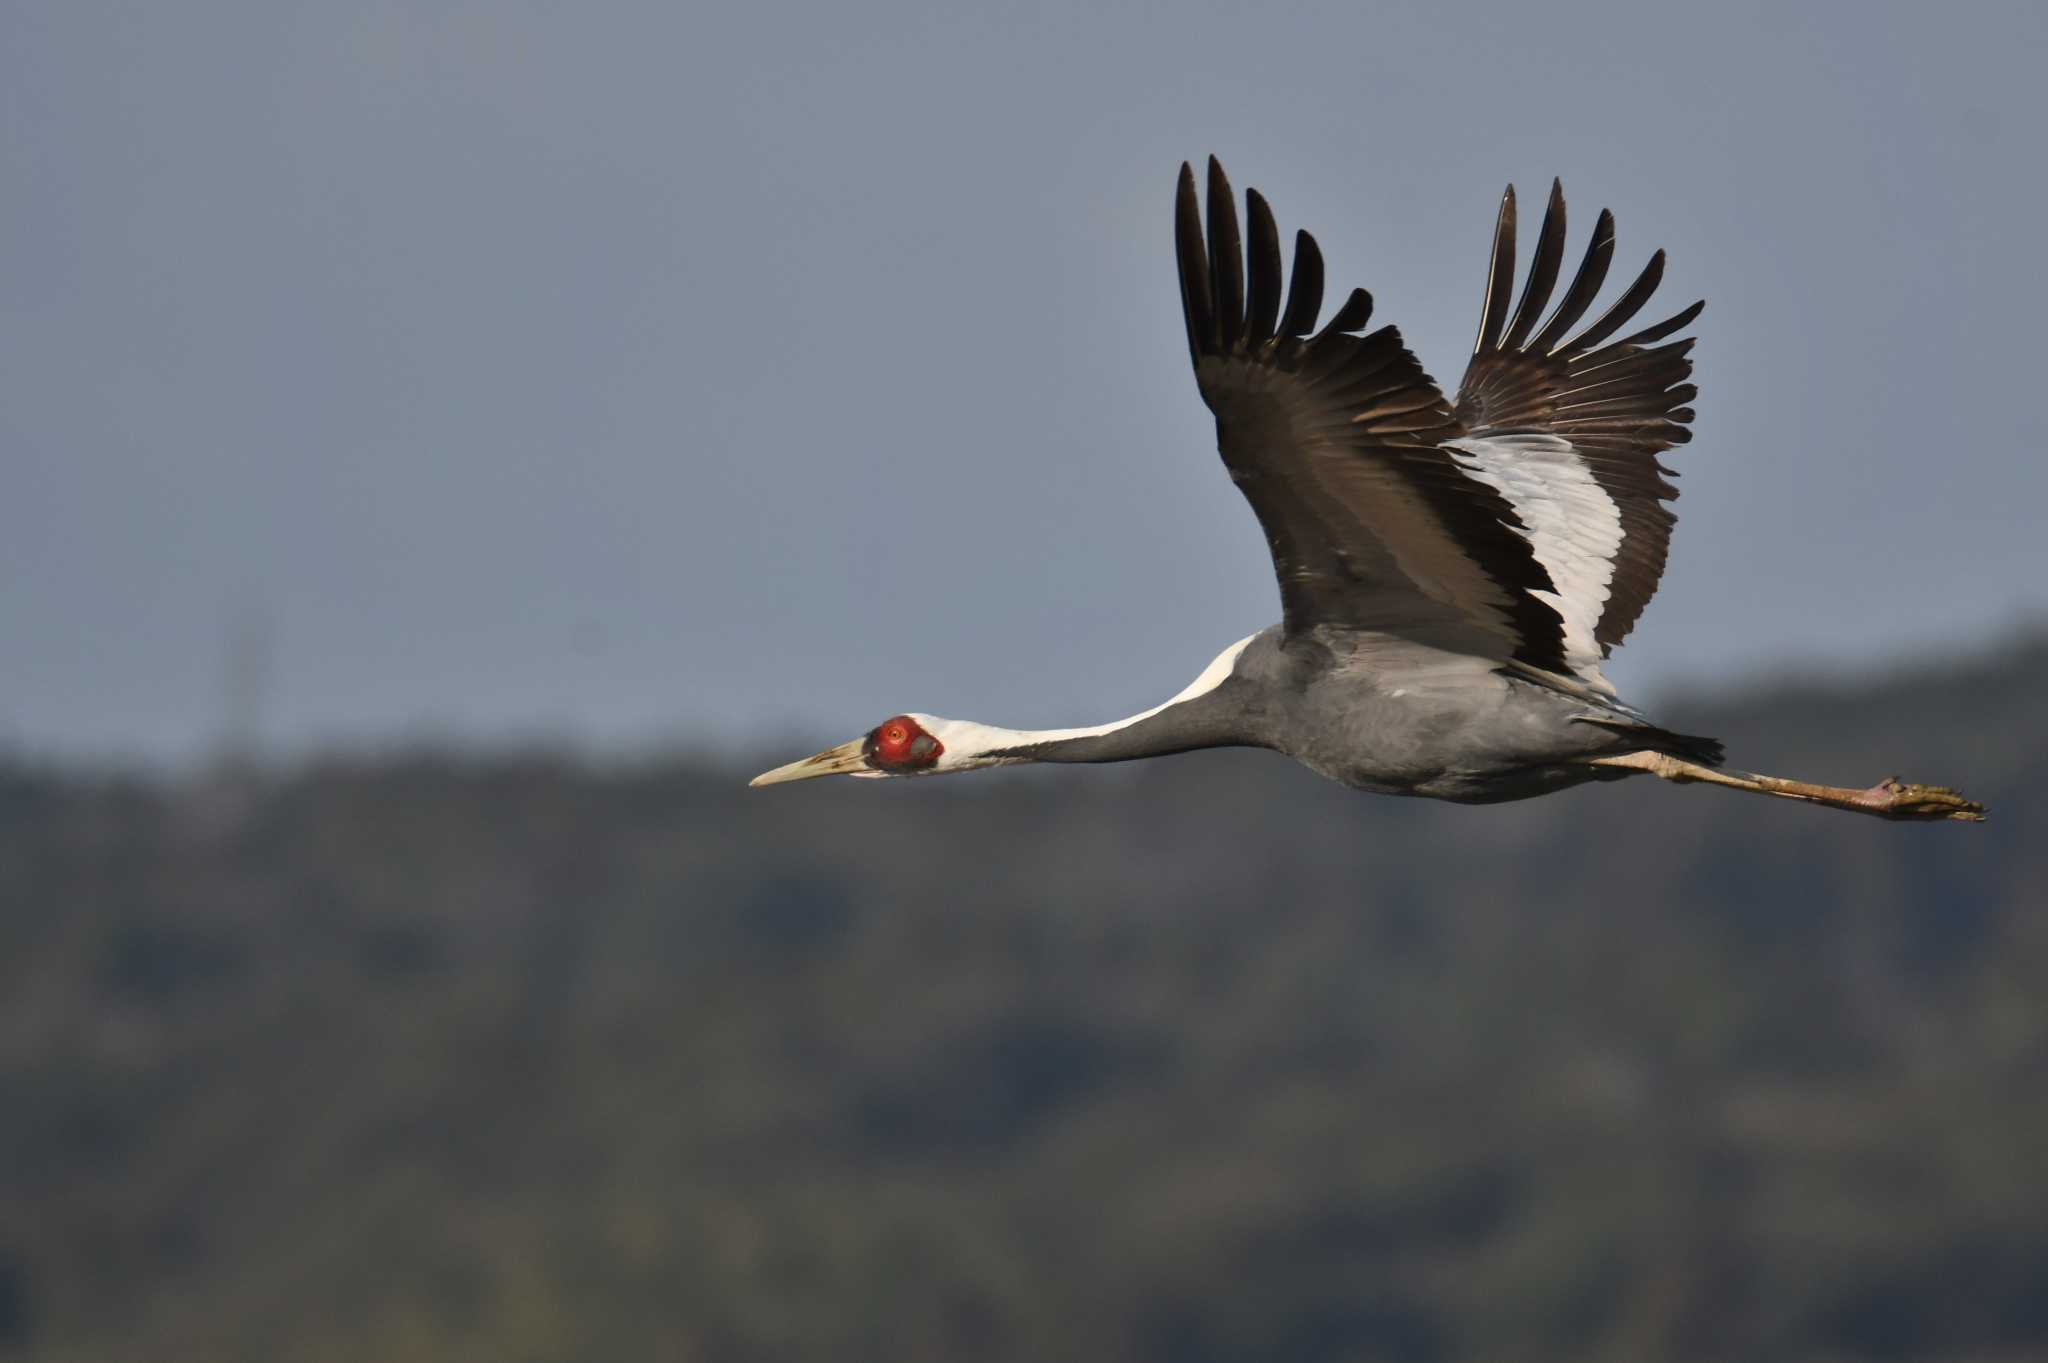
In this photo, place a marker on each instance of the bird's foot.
(1892, 798)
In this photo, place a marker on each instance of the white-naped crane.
(1452, 572)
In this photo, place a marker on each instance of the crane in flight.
(1452, 571)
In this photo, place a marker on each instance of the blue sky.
(635, 373)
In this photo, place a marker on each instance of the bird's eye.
(894, 734)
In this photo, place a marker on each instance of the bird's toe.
(1896, 799)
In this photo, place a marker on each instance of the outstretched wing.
(1568, 428)
(1340, 442)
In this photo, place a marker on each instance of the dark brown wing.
(1336, 440)
(1617, 404)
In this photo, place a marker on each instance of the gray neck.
(1216, 719)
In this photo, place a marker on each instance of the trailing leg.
(1888, 799)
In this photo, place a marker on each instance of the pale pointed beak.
(844, 760)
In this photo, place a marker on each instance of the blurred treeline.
(520, 1057)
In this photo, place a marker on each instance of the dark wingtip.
(1500, 275)
(1352, 316)
(1623, 308)
(1585, 286)
(1543, 266)
(1192, 256)
(1683, 318)
(1263, 270)
(1305, 288)
(1226, 259)
(1219, 181)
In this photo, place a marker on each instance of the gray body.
(1385, 715)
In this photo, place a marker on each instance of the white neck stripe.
(967, 742)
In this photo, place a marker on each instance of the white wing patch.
(1572, 525)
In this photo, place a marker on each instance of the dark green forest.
(523, 1056)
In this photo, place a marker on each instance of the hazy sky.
(652, 371)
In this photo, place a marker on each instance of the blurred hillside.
(461, 1056)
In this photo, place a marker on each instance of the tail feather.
(1708, 752)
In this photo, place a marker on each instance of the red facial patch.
(901, 744)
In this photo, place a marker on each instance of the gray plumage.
(1381, 716)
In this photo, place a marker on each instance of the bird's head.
(902, 745)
